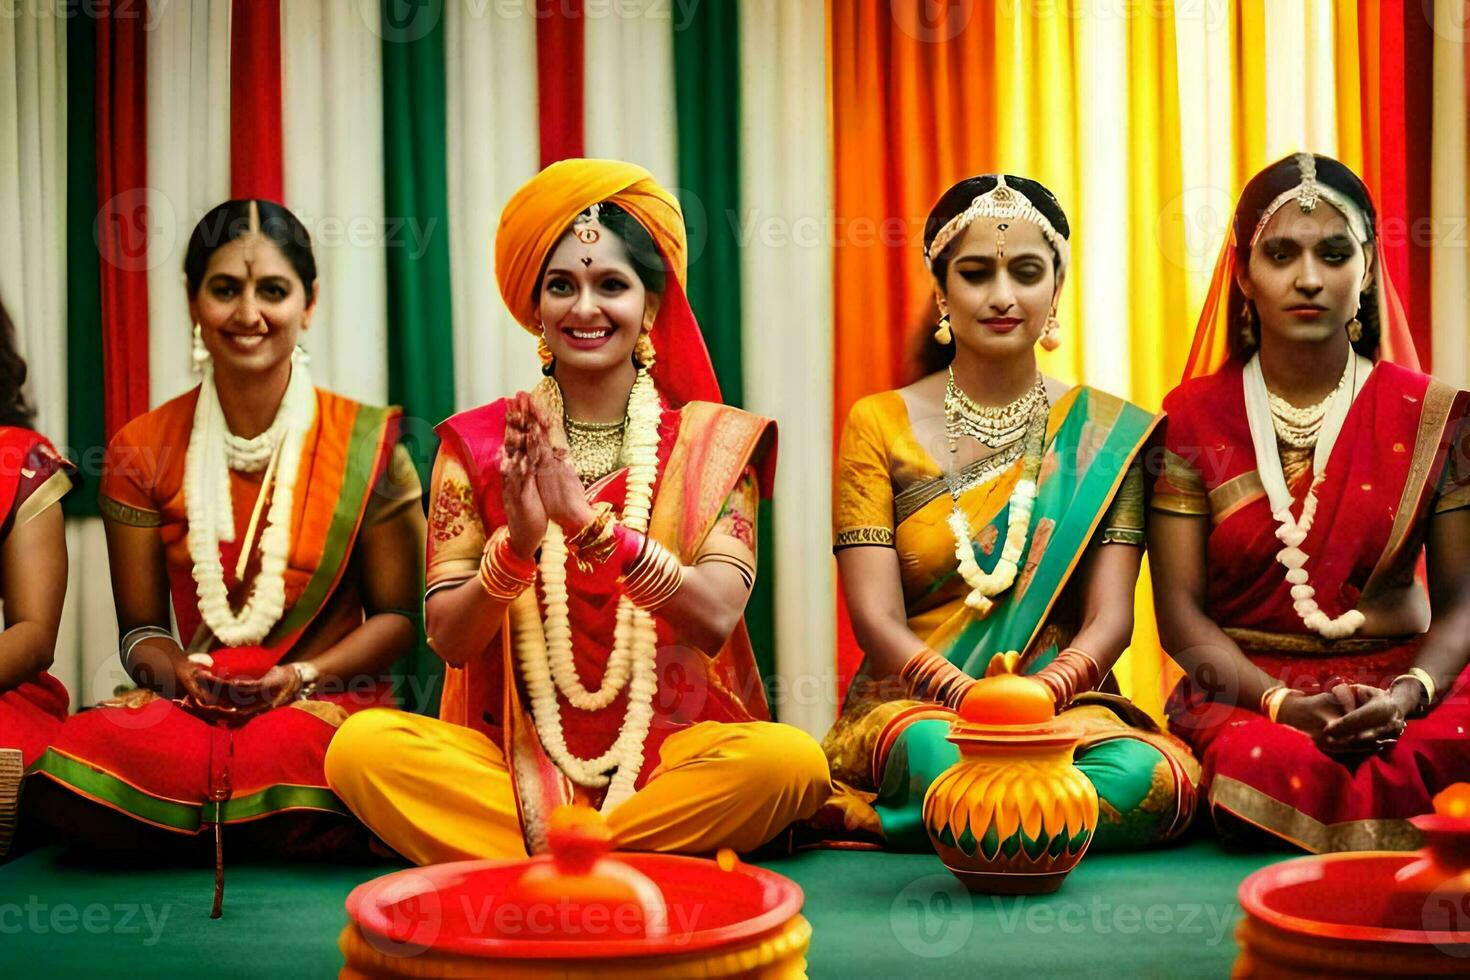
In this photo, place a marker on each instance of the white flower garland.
(544, 650)
(1291, 532)
(211, 514)
(983, 585)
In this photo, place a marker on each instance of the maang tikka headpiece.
(1005, 202)
(1307, 193)
(587, 226)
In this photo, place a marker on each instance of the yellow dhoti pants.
(435, 791)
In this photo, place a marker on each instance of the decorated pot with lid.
(1013, 815)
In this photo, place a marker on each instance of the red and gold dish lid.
(581, 900)
(1409, 899)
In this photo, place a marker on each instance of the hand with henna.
(562, 493)
(519, 494)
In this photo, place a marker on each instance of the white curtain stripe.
(332, 116)
(1449, 254)
(188, 106)
(628, 85)
(786, 303)
(1206, 138)
(33, 203)
(493, 148)
(1102, 269)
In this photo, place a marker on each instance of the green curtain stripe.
(420, 316)
(85, 435)
(707, 100)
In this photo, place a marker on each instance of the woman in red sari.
(33, 479)
(279, 524)
(591, 550)
(1308, 469)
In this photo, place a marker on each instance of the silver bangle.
(307, 673)
(135, 636)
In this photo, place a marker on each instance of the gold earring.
(1355, 329)
(643, 350)
(944, 335)
(1247, 326)
(1051, 337)
(542, 351)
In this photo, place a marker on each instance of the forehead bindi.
(982, 239)
(607, 254)
(250, 257)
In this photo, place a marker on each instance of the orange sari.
(150, 758)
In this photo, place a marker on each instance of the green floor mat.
(1158, 913)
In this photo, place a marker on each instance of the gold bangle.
(595, 543)
(1274, 698)
(653, 577)
(1422, 676)
(499, 575)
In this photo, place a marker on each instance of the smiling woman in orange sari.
(277, 526)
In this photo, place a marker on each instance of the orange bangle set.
(653, 577)
(503, 573)
(1071, 673)
(1272, 699)
(929, 677)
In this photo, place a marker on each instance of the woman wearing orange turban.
(591, 551)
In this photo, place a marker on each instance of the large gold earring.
(199, 356)
(1051, 337)
(943, 334)
(643, 350)
(1355, 329)
(544, 352)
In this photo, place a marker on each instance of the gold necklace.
(597, 447)
(993, 426)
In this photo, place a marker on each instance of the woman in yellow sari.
(986, 511)
(591, 550)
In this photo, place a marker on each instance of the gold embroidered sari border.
(1277, 817)
(849, 536)
(1309, 645)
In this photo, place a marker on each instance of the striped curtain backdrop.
(806, 142)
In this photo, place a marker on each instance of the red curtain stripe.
(123, 225)
(559, 78)
(257, 164)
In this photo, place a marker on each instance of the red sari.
(148, 757)
(1399, 459)
(33, 476)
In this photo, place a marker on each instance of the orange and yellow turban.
(541, 212)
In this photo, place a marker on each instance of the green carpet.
(1158, 913)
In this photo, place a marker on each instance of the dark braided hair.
(927, 354)
(15, 408)
(1264, 188)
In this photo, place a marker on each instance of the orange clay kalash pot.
(1366, 913)
(1014, 815)
(578, 912)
